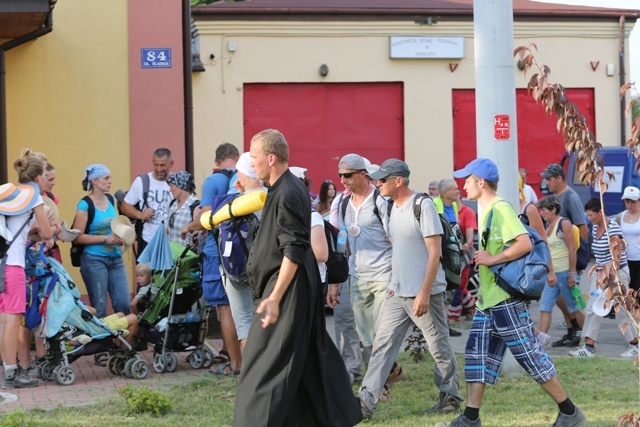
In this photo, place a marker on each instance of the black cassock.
(292, 373)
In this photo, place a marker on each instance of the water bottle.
(161, 326)
(192, 316)
(577, 296)
(341, 241)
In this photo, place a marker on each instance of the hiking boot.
(446, 404)
(16, 379)
(574, 420)
(582, 352)
(396, 375)
(568, 340)
(461, 421)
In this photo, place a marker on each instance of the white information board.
(426, 47)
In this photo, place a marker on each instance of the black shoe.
(568, 340)
(454, 333)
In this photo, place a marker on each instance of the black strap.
(145, 190)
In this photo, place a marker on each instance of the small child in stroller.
(146, 290)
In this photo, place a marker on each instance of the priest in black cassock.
(292, 373)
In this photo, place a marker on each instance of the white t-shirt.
(318, 221)
(530, 194)
(158, 199)
(15, 254)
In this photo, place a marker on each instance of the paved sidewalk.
(94, 383)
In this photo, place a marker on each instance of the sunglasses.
(386, 178)
(347, 175)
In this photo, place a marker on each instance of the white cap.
(631, 193)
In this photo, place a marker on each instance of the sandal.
(225, 370)
(222, 357)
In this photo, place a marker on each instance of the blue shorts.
(493, 330)
(551, 294)
(212, 287)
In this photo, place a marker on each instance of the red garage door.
(539, 143)
(323, 122)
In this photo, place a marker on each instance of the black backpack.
(337, 263)
(451, 254)
(76, 248)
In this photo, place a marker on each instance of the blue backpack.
(234, 238)
(523, 278)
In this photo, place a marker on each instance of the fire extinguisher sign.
(501, 127)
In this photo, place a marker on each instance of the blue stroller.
(70, 329)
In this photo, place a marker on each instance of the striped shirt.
(600, 247)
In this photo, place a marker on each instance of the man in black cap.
(416, 293)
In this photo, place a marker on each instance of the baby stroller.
(70, 329)
(174, 320)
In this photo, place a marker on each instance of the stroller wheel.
(208, 358)
(127, 367)
(140, 370)
(159, 364)
(46, 370)
(100, 359)
(119, 365)
(196, 358)
(65, 375)
(171, 362)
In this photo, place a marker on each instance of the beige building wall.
(359, 52)
(68, 96)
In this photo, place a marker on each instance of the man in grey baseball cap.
(392, 167)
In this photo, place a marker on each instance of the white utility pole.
(496, 126)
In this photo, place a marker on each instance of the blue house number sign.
(156, 58)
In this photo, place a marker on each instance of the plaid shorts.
(493, 330)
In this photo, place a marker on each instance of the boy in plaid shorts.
(501, 321)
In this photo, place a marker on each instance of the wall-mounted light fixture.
(520, 65)
(323, 70)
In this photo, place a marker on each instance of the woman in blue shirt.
(101, 265)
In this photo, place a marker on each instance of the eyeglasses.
(386, 178)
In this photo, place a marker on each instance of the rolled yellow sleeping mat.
(241, 205)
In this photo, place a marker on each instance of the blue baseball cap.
(482, 168)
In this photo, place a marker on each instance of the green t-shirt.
(505, 227)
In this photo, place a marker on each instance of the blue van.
(618, 160)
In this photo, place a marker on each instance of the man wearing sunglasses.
(364, 214)
(416, 293)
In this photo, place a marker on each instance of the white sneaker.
(562, 325)
(631, 353)
(544, 339)
(581, 352)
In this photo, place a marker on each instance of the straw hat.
(122, 228)
(51, 205)
(69, 235)
(16, 200)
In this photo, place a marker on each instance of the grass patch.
(604, 388)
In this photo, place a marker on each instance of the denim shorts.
(493, 330)
(551, 294)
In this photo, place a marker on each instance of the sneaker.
(18, 380)
(544, 339)
(631, 353)
(396, 375)
(581, 352)
(562, 325)
(454, 333)
(366, 412)
(567, 340)
(461, 421)
(446, 404)
(574, 420)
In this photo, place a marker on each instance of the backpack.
(583, 253)
(523, 278)
(344, 202)
(229, 174)
(234, 237)
(76, 248)
(137, 224)
(337, 263)
(4, 244)
(450, 249)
